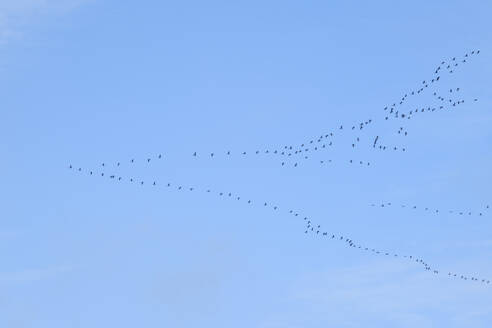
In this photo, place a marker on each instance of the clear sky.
(89, 82)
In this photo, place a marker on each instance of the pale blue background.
(86, 82)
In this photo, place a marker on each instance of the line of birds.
(311, 227)
(455, 62)
(433, 210)
(401, 131)
(417, 92)
(450, 67)
(320, 144)
(452, 102)
(391, 108)
(315, 144)
(321, 162)
(301, 151)
(323, 142)
(408, 114)
(295, 164)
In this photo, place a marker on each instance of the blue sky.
(92, 82)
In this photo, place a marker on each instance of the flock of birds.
(325, 141)
(310, 226)
(434, 210)
(291, 154)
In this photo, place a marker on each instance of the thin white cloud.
(397, 294)
(15, 15)
(31, 275)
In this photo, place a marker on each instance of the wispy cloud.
(15, 15)
(31, 275)
(386, 294)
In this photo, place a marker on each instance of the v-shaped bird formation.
(295, 155)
